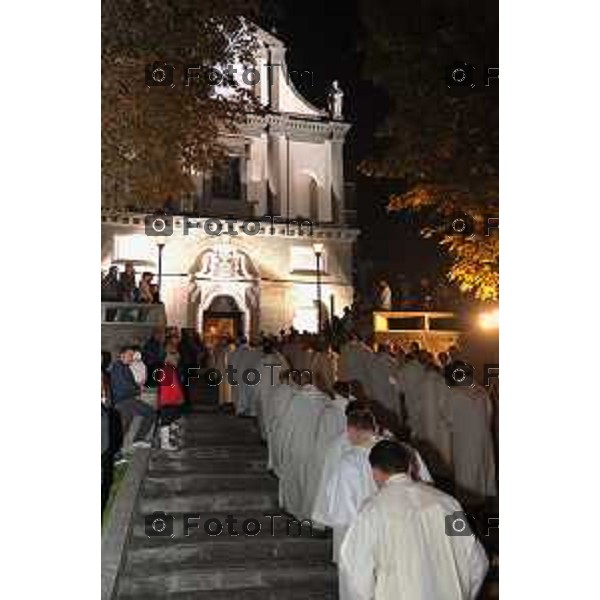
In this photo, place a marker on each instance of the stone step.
(216, 438)
(155, 486)
(209, 453)
(305, 592)
(266, 576)
(214, 468)
(200, 549)
(201, 419)
(218, 502)
(274, 526)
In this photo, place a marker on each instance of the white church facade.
(287, 162)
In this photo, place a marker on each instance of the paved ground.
(220, 471)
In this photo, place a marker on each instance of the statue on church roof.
(335, 101)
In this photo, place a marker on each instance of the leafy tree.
(440, 143)
(154, 137)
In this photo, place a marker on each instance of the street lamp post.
(318, 250)
(161, 247)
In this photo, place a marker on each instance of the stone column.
(336, 157)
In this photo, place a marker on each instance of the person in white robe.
(248, 392)
(333, 454)
(234, 360)
(351, 482)
(351, 360)
(398, 545)
(299, 353)
(412, 374)
(270, 366)
(301, 424)
(330, 426)
(325, 365)
(472, 441)
(419, 470)
(436, 419)
(275, 417)
(385, 381)
(222, 351)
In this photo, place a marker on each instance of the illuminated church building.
(288, 162)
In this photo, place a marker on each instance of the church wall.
(283, 291)
(309, 159)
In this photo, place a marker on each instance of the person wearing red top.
(170, 400)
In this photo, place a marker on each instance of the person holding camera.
(409, 540)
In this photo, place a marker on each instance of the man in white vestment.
(248, 392)
(472, 442)
(332, 457)
(385, 380)
(436, 418)
(270, 366)
(325, 365)
(351, 482)
(302, 421)
(398, 547)
(279, 425)
(355, 362)
(234, 359)
(330, 426)
(413, 373)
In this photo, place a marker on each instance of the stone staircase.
(221, 470)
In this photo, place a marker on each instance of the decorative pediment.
(223, 261)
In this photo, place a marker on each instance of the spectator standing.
(110, 286)
(153, 354)
(145, 294)
(127, 283)
(384, 296)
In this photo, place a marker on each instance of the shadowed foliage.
(439, 143)
(154, 137)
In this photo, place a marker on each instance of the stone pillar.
(336, 158)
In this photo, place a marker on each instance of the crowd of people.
(137, 403)
(359, 436)
(126, 287)
(352, 436)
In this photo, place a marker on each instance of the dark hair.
(390, 457)
(361, 419)
(356, 405)
(123, 349)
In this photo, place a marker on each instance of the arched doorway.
(222, 318)
(225, 287)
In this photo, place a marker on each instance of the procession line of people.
(339, 467)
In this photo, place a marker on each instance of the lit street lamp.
(318, 250)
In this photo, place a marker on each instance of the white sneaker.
(165, 439)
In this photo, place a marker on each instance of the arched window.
(313, 199)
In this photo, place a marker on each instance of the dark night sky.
(325, 37)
